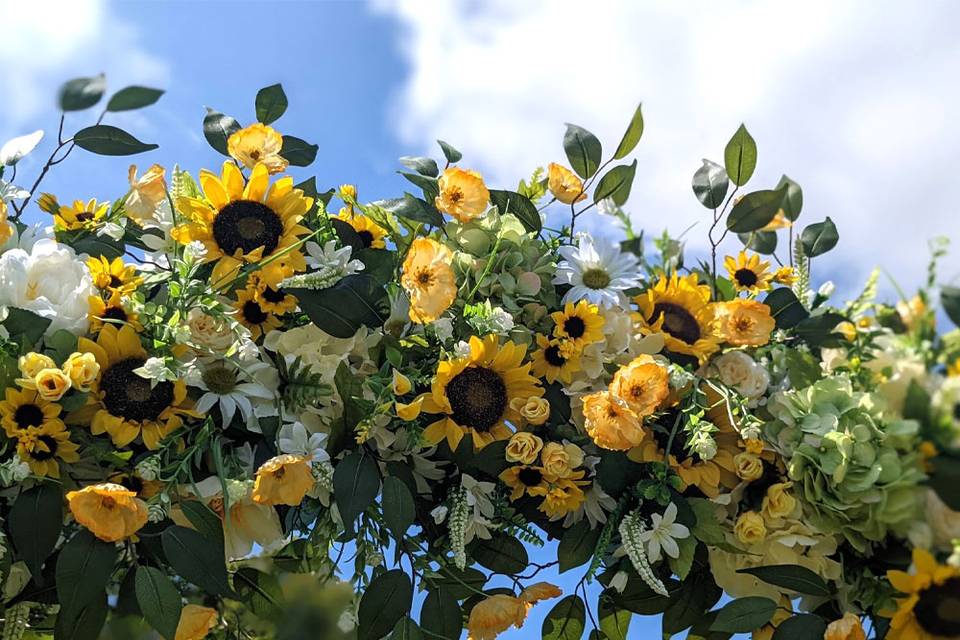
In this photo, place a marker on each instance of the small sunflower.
(564, 496)
(526, 480)
(371, 234)
(930, 610)
(113, 276)
(112, 311)
(475, 393)
(124, 404)
(580, 323)
(40, 447)
(23, 409)
(246, 223)
(748, 273)
(680, 309)
(555, 359)
(271, 297)
(81, 215)
(252, 315)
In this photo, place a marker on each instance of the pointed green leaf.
(792, 198)
(791, 576)
(356, 483)
(710, 184)
(616, 184)
(271, 103)
(805, 626)
(818, 238)
(518, 206)
(297, 152)
(82, 93)
(340, 310)
(84, 567)
(451, 154)
(133, 97)
(106, 140)
(398, 507)
(577, 545)
(631, 136)
(441, 616)
(159, 600)
(754, 211)
(34, 523)
(566, 621)
(744, 615)
(388, 598)
(217, 128)
(583, 150)
(189, 553)
(740, 156)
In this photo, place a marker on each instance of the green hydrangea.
(856, 470)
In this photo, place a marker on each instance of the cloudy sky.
(854, 100)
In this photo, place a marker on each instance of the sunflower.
(748, 273)
(371, 234)
(270, 297)
(113, 275)
(744, 323)
(428, 279)
(124, 404)
(475, 393)
(82, 215)
(680, 309)
(563, 497)
(111, 311)
(930, 610)
(526, 480)
(23, 409)
(240, 223)
(252, 315)
(580, 323)
(610, 423)
(40, 447)
(555, 359)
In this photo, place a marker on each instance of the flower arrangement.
(214, 383)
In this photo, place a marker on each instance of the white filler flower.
(663, 534)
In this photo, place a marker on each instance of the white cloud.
(854, 100)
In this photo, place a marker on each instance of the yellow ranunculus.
(401, 384)
(284, 479)
(109, 511)
(611, 423)
(753, 445)
(643, 384)
(463, 194)
(846, 628)
(523, 447)
(257, 144)
(749, 467)
(744, 323)
(51, 384)
(534, 410)
(83, 370)
(429, 280)
(564, 184)
(410, 410)
(560, 460)
(32, 363)
(778, 503)
(494, 615)
(146, 194)
(195, 622)
(749, 528)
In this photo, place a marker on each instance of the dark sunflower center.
(247, 225)
(677, 321)
(127, 395)
(365, 237)
(51, 444)
(478, 398)
(114, 313)
(574, 327)
(84, 216)
(253, 313)
(115, 281)
(745, 277)
(938, 610)
(553, 356)
(28, 415)
(273, 296)
(530, 477)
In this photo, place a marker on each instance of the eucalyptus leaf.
(159, 600)
(740, 156)
(133, 97)
(451, 154)
(356, 483)
(106, 140)
(754, 211)
(270, 104)
(566, 621)
(583, 150)
(441, 616)
(744, 615)
(519, 206)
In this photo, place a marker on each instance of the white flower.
(703, 444)
(233, 389)
(155, 369)
(329, 257)
(10, 192)
(294, 438)
(13, 150)
(598, 271)
(195, 251)
(500, 321)
(443, 328)
(112, 230)
(50, 281)
(663, 533)
(28, 237)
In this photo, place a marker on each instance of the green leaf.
(87, 624)
(791, 576)
(82, 93)
(950, 299)
(818, 330)
(460, 584)
(707, 529)
(785, 308)
(406, 629)
(192, 556)
(740, 156)
(261, 591)
(945, 480)
(388, 598)
(566, 620)
(792, 198)
(399, 510)
(271, 103)
(356, 482)
(614, 622)
(577, 545)
(26, 324)
(347, 235)
(84, 567)
(754, 211)
(451, 154)
(34, 523)
(427, 185)
(818, 238)
(297, 152)
(60, 345)
(640, 598)
(501, 553)
(346, 306)
(805, 626)
(631, 136)
(743, 615)
(681, 565)
(217, 128)
(802, 367)
(204, 520)
(159, 600)
(583, 150)
(134, 97)
(423, 166)
(688, 605)
(764, 242)
(441, 615)
(710, 184)
(106, 140)
(97, 245)
(412, 208)
(518, 206)
(616, 184)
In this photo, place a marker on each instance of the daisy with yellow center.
(246, 223)
(108, 511)
(284, 479)
(23, 409)
(124, 404)
(748, 273)
(113, 275)
(475, 394)
(112, 311)
(40, 447)
(556, 359)
(680, 309)
(463, 194)
(931, 608)
(564, 184)
(428, 279)
(81, 215)
(611, 423)
(744, 323)
(371, 234)
(643, 384)
(579, 323)
(257, 144)
(252, 314)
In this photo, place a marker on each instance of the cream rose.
(523, 448)
(734, 367)
(749, 528)
(778, 503)
(83, 370)
(749, 467)
(210, 332)
(534, 410)
(561, 459)
(52, 384)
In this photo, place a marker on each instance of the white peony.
(50, 281)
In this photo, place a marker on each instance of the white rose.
(756, 382)
(734, 367)
(51, 281)
(210, 332)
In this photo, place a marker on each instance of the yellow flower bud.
(534, 410)
(401, 384)
(753, 445)
(348, 191)
(48, 202)
(848, 627)
(32, 363)
(750, 529)
(523, 448)
(778, 503)
(749, 466)
(409, 411)
(51, 384)
(83, 370)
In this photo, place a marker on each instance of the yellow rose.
(749, 528)
(846, 628)
(210, 332)
(51, 384)
(778, 503)
(753, 445)
(463, 194)
(749, 466)
(560, 460)
(534, 410)
(409, 411)
(401, 384)
(257, 144)
(83, 370)
(523, 448)
(284, 479)
(195, 622)
(108, 510)
(32, 363)
(146, 194)
(564, 184)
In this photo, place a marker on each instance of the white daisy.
(663, 534)
(233, 389)
(598, 271)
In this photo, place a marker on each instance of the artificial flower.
(561, 459)
(400, 384)
(611, 423)
(748, 273)
(283, 479)
(146, 195)
(846, 628)
(371, 234)
(111, 311)
(555, 360)
(428, 280)
(563, 497)
(232, 389)
(523, 448)
(409, 411)
(580, 324)
(750, 528)
(195, 622)
(81, 215)
(928, 610)
(113, 276)
(643, 384)
(82, 369)
(51, 384)
(663, 534)
(40, 447)
(110, 511)
(680, 309)
(23, 409)
(252, 315)
(257, 144)
(526, 480)
(463, 194)
(564, 184)
(495, 614)
(749, 467)
(597, 271)
(744, 323)
(778, 502)
(533, 410)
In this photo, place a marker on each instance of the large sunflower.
(245, 223)
(40, 447)
(930, 610)
(680, 309)
(474, 393)
(113, 276)
(124, 404)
